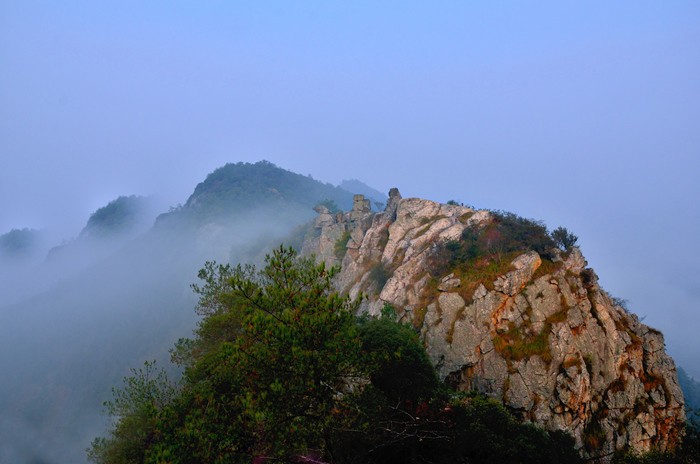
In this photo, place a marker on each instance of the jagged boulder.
(538, 332)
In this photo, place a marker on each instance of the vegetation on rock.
(563, 238)
(330, 204)
(341, 245)
(484, 252)
(688, 452)
(509, 309)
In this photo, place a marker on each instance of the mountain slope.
(237, 188)
(124, 215)
(502, 311)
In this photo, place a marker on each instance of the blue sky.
(583, 114)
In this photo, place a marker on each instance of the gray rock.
(525, 266)
(554, 348)
(392, 203)
(449, 282)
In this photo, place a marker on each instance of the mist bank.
(76, 322)
(68, 345)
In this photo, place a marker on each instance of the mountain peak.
(503, 310)
(238, 188)
(122, 215)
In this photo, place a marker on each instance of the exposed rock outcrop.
(539, 334)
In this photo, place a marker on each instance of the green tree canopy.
(281, 369)
(563, 238)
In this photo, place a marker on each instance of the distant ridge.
(122, 215)
(238, 187)
(357, 186)
(18, 244)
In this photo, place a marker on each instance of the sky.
(582, 114)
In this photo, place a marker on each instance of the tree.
(330, 204)
(563, 238)
(398, 364)
(281, 368)
(135, 406)
(273, 363)
(298, 352)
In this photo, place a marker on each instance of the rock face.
(541, 335)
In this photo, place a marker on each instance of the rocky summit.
(529, 326)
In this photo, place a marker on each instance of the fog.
(579, 114)
(112, 305)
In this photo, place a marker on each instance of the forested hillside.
(240, 188)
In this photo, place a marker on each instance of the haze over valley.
(132, 138)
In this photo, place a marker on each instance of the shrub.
(400, 367)
(563, 238)
(621, 302)
(341, 245)
(518, 342)
(330, 204)
(504, 235)
(516, 345)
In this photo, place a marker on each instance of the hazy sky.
(581, 113)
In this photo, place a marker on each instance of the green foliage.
(18, 242)
(146, 388)
(341, 245)
(330, 204)
(398, 364)
(520, 342)
(213, 295)
(504, 235)
(117, 216)
(388, 312)
(490, 434)
(281, 367)
(652, 457)
(453, 202)
(273, 357)
(563, 238)
(466, 429)
(241, 187)
(136, 406)
(516, 345)
(484, 252)
(514, 233)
